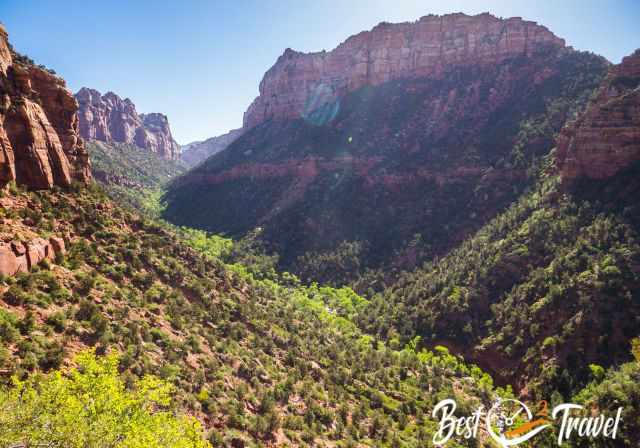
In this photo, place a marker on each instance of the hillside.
(546, 294)
(254, 359)
(131, 175)
(400, 170)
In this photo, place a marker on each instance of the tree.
(89, 406)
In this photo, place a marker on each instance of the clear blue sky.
(200, 62)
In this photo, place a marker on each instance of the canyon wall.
(299, 82)
(194, 153)
(109, 118)
(40, 145)
(606, 137)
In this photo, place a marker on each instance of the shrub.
(51, 410)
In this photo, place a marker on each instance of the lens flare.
(322, 105)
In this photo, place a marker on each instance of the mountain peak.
(427, 47)
(109, 118)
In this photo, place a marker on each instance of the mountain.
(194, 153)
(548, 289)
(392, 148)
(300, 83)
(108, 118)
(39, 142)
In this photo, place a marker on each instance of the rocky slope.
(40, 144)
(605, 139)
(550, 287)
(109, 118)
(427, 158)
(299, 82)
(194, 153)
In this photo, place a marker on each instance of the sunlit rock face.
(606, 138)
(40, 145)
(427, 47)
(109, 118)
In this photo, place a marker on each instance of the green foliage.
(245, 348)
(212, 245)
(550, 278)
(89, 406)
(131, 175)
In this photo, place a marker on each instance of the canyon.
(196, 152)
(429, 139)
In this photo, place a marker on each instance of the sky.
(200, 62)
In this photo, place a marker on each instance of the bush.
(51, 410)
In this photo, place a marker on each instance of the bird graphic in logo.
(510, 422)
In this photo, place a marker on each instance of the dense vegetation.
(389, 182)
(89, 406)
(131, 175)
(543, 297)
(258, 361)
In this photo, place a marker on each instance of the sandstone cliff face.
(427, 47)
(196, 152)
(606, 137)
(40, 144)
(109, 118)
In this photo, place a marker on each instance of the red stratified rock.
(606, 137)
(426, 47)
(109, 118)
(19, 257)
(39, 137)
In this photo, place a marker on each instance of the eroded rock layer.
(17, 257)
(108, 118)
(40, 145)
(430, 46)
(606, 138)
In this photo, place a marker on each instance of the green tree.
(89, 406)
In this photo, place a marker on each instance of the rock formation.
(40, 144)
(427, 47)
(194, 153)
(109, 118)
(606, 137)
(17, 257)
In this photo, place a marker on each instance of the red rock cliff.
(40, 144)
(108, 118)
(427, 47)
(606, 137)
